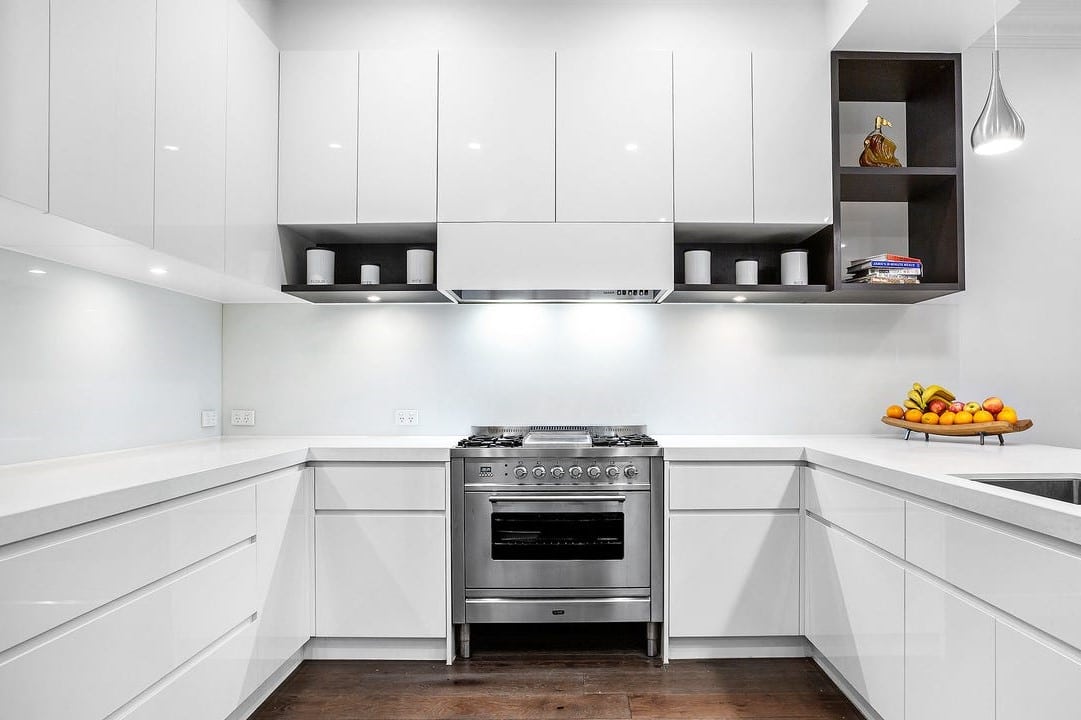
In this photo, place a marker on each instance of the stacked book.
(886, 269)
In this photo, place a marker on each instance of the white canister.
(369, 274)
(420, 267)
(320, 266)
(794, 267)
(746, 272)
(696, 267)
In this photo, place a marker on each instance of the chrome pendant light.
(999, 128)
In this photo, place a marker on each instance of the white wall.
(90, 363)
(723, 369)
(1020, 330)
(552, 24)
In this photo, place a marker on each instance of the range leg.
(463, 641)
(653, 634)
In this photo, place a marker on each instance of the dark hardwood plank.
(729, 706)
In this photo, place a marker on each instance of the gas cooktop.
(581, 438)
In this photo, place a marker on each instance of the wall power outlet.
(209, 418)
(244, 417)
(407, 417)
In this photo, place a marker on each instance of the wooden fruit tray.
(981, 430)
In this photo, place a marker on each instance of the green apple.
(973, 407)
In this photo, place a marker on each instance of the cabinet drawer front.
(381, 486)
(865, 512)
(1036, 583)
(733, 486)
(1033, 680)
(94, 669)
(855, 615)
(380, 576)
(46, 586)
(734, 574)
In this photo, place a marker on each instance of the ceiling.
(1039, 24)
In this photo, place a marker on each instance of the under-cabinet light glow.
(474, 145)
(170, 148)
(36, 271)
(374, 298)
(631, 147)
(739, 298)
(335, 146)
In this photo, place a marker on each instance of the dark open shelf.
(354, 293)
(752, 293)
(765, 243)
(869, 184)
(857, 293)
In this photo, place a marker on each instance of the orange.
(914, 415)
(895, 411)
(947, 418)
(962, 418)
(930, 418)
(983, 416)
(1007, 414)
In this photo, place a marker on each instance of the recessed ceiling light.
(631, 147)
(157, 270)
(335, 146)
(374, 298)
(170, 148)
(473, 145)
(36, 271)
(739, 298)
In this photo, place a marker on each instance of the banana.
(917, 399)
(933, 391)
(918, 388)
(911, 404)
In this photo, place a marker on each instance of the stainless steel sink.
(1062, 488)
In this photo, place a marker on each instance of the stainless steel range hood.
(555, 262)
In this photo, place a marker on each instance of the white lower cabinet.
(380, 575)
(949, 655)
(734, 574)
(855, 615)
(283, 509)
(1033, 680)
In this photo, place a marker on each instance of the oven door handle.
(557, 498)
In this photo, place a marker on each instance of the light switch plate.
(210, 418)
(407, 417)
(244, 417)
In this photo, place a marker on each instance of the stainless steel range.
(557, 524)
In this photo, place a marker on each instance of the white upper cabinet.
(24, 101)
(397, 142)
(101, 120)
(497, 136)
(793, 172)
(252, 249)
(317, 171)
(614, 136)
(714, 162)
(189, 171)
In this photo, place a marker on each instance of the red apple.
(993, 405)
(956, 406)
(938, 406)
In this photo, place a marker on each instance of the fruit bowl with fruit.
(934, 410)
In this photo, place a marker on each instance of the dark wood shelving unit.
(932, 185)
(384, 245)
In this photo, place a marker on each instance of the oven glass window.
(557, 536)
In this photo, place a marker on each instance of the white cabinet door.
(101, 119)
(380, 575)
(793, 170)
(252, 248)
(189, 168)
(24, 101)
(734, 574)
(855, 615)
(317, 116)
(714, 162)
(396, 147)
(949, 655)
(614, 136)
(1033, 680)
(283, 508)
(497, 136)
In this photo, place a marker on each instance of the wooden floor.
(516, 684)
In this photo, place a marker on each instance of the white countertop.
(48, 495)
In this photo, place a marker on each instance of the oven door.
(532, 540)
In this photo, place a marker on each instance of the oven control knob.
(631, 471)
(558, 472)
(576, 471)
(612, 472)
(594, 472)
(538, 472)
(520, 472)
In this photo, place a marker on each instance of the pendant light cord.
(994, 9)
